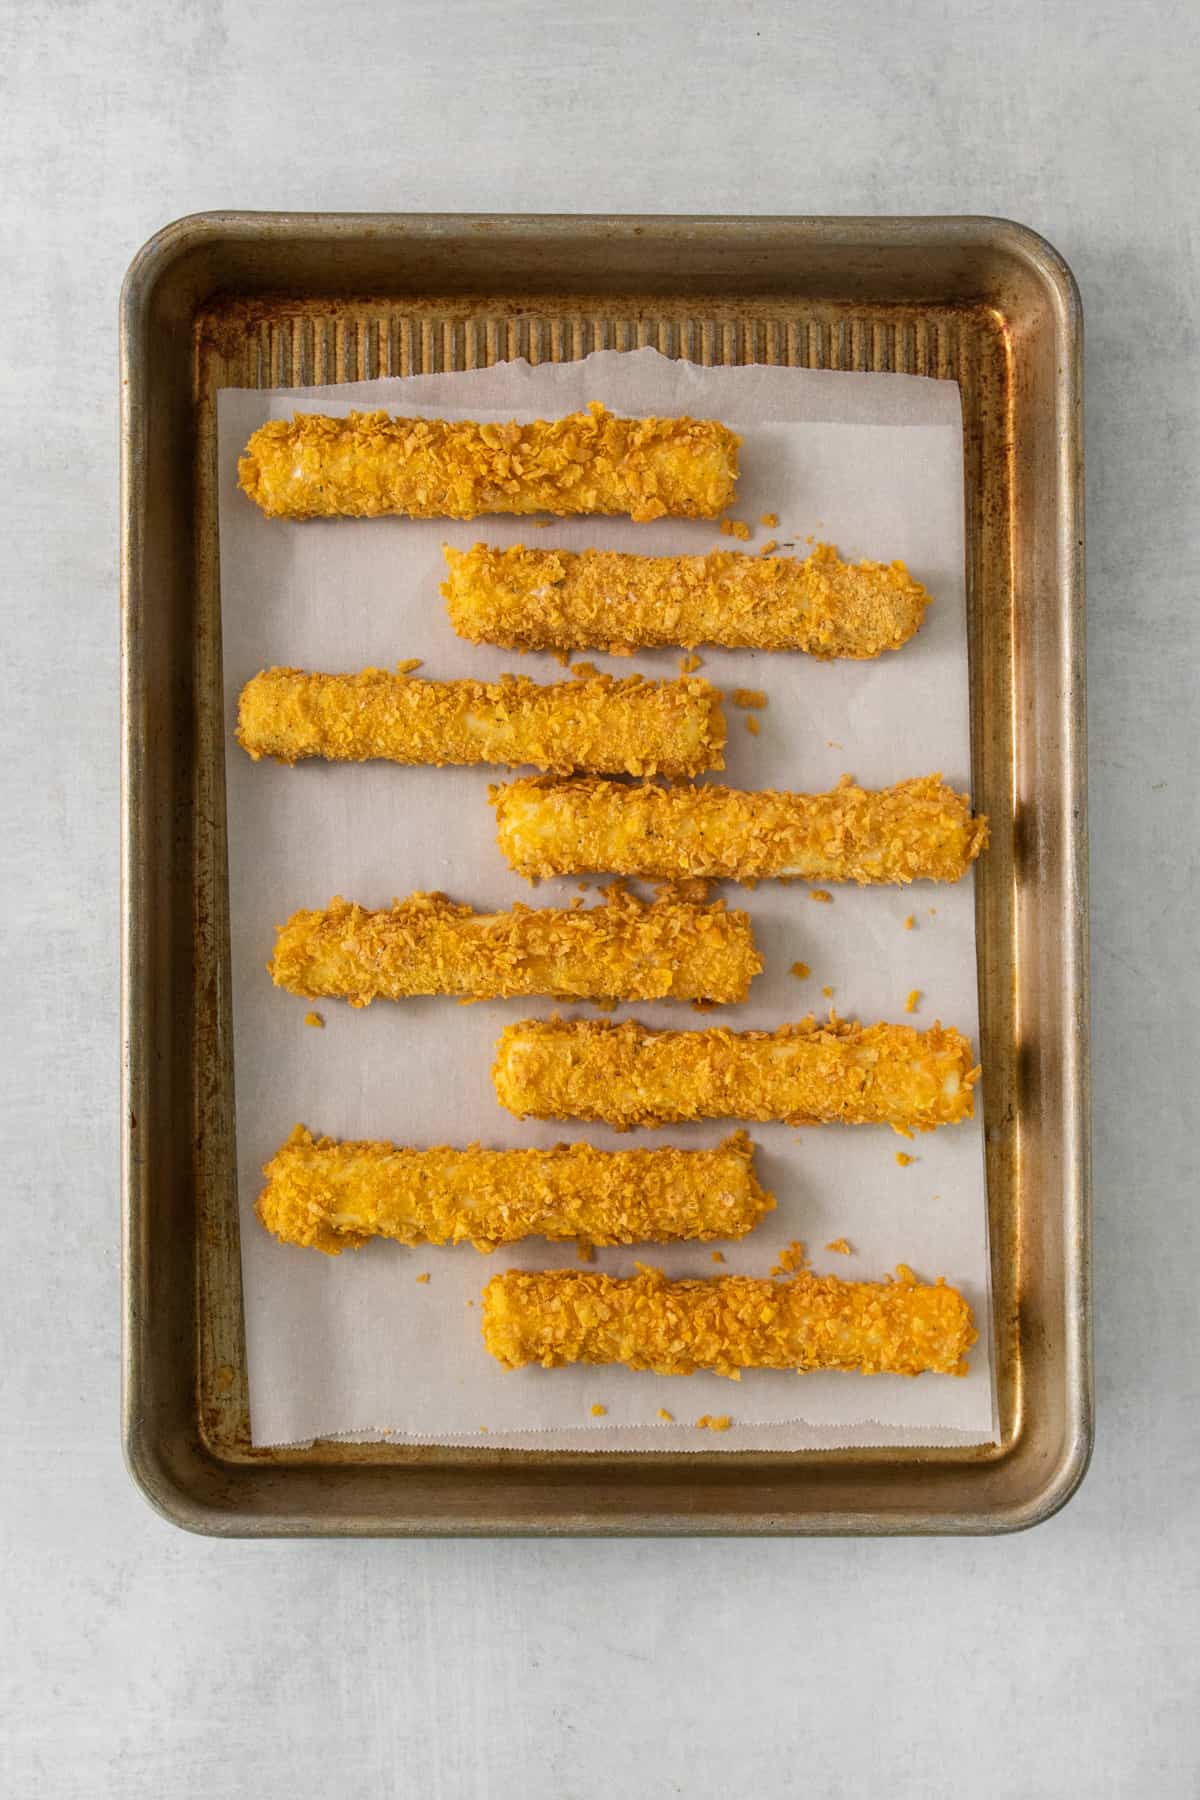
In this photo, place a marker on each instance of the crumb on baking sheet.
(748, 697)
(841, 1246)
(409, 664)
(584, 1251)
(902, 1131)
(423, 1277)
(768, 519)
(598, 1411)
(752, 725)
(668, 1416)
(791, 1259)
(315, 1020)
(909, 923)
(903, 1158)
(801, 971)
(769, 547)
(713, 1422)
(718, 1255)
(828, 992)
(584, 671)
(914, 995)
(690, 663)
(735, 528)
(821, 895)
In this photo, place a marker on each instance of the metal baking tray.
(267, 299)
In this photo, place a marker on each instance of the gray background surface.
(137, 1661)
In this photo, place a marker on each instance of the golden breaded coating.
(609, 600)
(627, 949)
(804, 1074)
(369, 464)
(727, 1323)
(628, 727)
(917, 831)
(332, 1195)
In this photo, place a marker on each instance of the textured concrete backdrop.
(136, 1661)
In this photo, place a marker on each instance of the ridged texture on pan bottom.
(333, 1196)
(727, 1324)
(368, 464)
(917, 831)
(803, 1074)
(606, 600)
(622, 950)
(628, 727)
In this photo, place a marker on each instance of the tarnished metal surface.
(273, 300)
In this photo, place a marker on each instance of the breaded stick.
(803, 1074)
(608, 600)
(624, 950)
(333, 1195)
(630, 727)
(728, 1323)
(917, 831)
(368, 464)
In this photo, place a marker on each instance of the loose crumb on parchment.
(768, 519)
(801, 971)
(597, 1410)
(914, 995)
(736, 528)
(822, 896)
(828, 992)
(752, 725)
(769, 548)
(903, 1158)
(423, 1277)
(748, 697)
(315, 1020)
(841, 1246)
(690, 663)
(668, 1416)
(909, 923)
(713, 1422)
(717, 1255)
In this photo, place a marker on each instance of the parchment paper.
(355, 1345)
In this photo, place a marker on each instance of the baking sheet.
(871, 462)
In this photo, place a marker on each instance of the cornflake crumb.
(736, 528)
(903, 1158)
(910, 1005)
(748, 697)
(718, 1255)
(791, 1259)
(832, 744)
(933, 912)
(583, 671)
(801, 971)
(909, 923)
(424, 1277)
(902, 1131)
(752, 725)
(768, 547)
(407, 667)
(768, 519)
(828, 993)
(562, 658)
(690, 663)
(841, 1246)
(584, 1251)
(713, 1422)
(598, 1411)
(483, 1429)
(315, 1020)
(821, 895)
(668, 1416)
